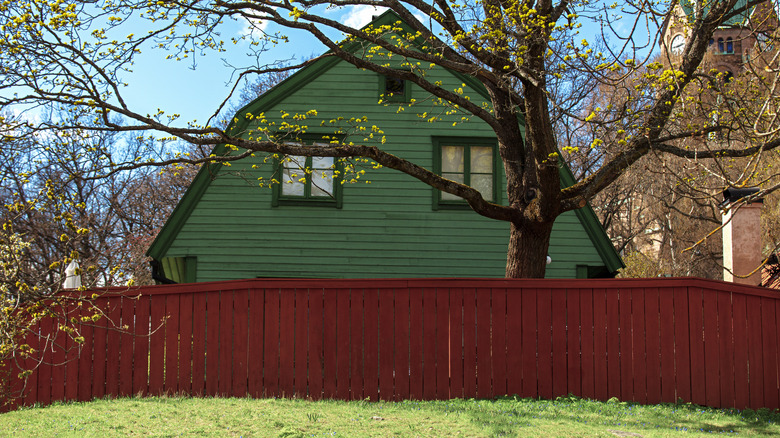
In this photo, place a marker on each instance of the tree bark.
(526, 256)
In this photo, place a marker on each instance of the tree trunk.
(527, 252)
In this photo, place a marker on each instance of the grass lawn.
(564, 417)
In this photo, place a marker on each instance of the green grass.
(564, 417)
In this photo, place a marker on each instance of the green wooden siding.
(387, 228)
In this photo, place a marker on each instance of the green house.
(341, 222)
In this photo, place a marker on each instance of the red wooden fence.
(650, 341)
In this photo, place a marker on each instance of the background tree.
(530, 56)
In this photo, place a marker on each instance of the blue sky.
(175, 87)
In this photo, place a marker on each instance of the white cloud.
(358, 16)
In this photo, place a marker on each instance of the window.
(307, 180)
(721, 48)
(729, 45)
(394, 89)
(468, 161)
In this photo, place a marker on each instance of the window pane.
(322, 183)
(457, 177)
(481, 159)
(483, 183)
(291, 184)
(452, 159)
(321, 162)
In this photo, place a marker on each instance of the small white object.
(72, 279)
(549, 260)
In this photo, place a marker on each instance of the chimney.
(741, 236)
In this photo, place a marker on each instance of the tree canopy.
(540, 62)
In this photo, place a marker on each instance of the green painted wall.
(387, 228)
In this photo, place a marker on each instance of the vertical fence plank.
(587, 339)
(44, 356)
(530, 325)
(469, 343)
(100, 349)
(429, 343)
(212, 343)
(638, 345)
(711, 344)
(301, 342)
(371, 355)
(741, 358)
(601, 376)
(127, 329)
(626, 346)
(573, 342)
(113, 327)
(72, 358)
(271, 344)
(316, 343)
(498, 338)
(225, 367)
(185, 343)
(726, 348)
(514, 341)
(653, 346)
(199, 335)
(287, 342)
(157, 345)
(483, 327)
(416, 344)
(682, 349)
(559, 347)
(613, 343)
(254, 342)
(140, 346)
(769, 351)
(455, 343)
(240, 342)
(173, 313)
(330, 337)
(755, 346)
(342, 344)
(58, 347)
(443, 343)
(356, 326)
(386, 344)
(401, 344)
(666, 319)
(544, 342)
(30, 364)
(698, 359)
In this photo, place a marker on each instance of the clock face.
(678, 43)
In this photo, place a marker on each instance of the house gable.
(387, 228)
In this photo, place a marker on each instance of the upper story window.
(468, 161)
(394, 89)
(721, 46)
(307, 180)
(729, 45)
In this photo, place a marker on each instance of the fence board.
(667, 345)
(442, 343)
(601, 374)
(416, 344)
(401, 332)
(587, 347)
(498, 337)
(455, 343)
(544, 342)
(573, 349)
(741, 358)
(271, 344)
(72, 360)
(342, 344)
(429, 344)
(173, 313)
(301, 342)
(626, 346)
(356, 326)
(254, 346)
(613, 343)
(755, 349)
(44, 355)
(316, 342)
(469, 343)
(386, 344)
(140, 347)
(769, 351)
(225, 365)
(114, 317)
(559, 339)
(682, 349)
(156, 347)
(514, 341)
(199, 343)
(653, 345)
(638, 345)
(126, 339)
(58, 347)
(529, 347)
(240, 342)
(287, 342)
(726, 348)
(711, 342)
(698, 359)
(371, 355)
(212, 343)
(483, 329)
